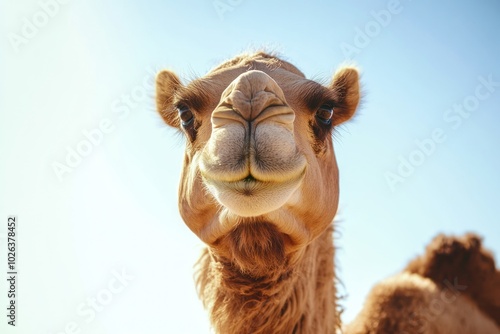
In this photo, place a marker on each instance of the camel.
(259, 187)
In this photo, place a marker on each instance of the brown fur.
(452, 288)
(257, 249)
(464, 259)
(284, 298)
(410, 304)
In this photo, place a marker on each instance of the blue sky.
(88, 69)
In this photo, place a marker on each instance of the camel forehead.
(205, 92)
(258, 59)
(223, 76)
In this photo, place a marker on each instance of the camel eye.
(324, 114)
(186, 115)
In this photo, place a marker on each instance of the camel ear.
(167, 82)
(345, 83)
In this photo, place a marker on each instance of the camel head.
(260, 180)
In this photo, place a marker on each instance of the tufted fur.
(294, 296)
(464, 259)
(452, 288)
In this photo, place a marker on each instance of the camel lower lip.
(250, 185)
(250, 197)
(246, 187)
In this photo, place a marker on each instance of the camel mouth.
(251, 197)
(250, 185)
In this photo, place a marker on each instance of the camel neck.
(300, 298)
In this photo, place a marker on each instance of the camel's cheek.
(196, 205)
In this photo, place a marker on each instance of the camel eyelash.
(315, 98)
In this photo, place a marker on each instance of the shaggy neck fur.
(258, 289)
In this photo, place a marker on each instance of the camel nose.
(250, 94)
(252, 136)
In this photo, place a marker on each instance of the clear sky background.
(102, 248)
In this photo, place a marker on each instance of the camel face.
(259, 162)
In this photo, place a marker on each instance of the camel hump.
(448, 258)
(462, 264)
